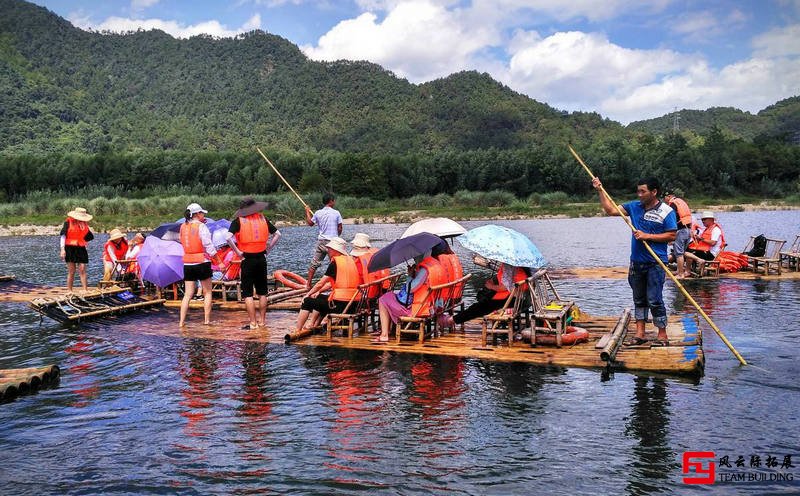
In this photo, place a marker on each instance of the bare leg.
(262, 310)
(207, 300)
(251, 310)
(82, 273)
(311, 271)
(386, 321)
(682, 272)
(640, 329)
(187, 297)
(662, 334)
(301, 319)
(70, 275)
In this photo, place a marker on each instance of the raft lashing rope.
(74, 308)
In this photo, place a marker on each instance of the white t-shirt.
(715, 235)
(328, 220)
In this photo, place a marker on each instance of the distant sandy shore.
(413, 215)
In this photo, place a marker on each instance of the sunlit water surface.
(137, 412)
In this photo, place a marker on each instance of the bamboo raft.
(74, 308)
(622, 273)
(16, 382)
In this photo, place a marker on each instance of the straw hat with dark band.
(79, 214)
(115, 234)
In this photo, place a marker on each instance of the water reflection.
(648, 425)
(255, 398)
(197, 365)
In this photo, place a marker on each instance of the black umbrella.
(402, 250)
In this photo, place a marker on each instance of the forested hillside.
(144, 109)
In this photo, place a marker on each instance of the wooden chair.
(230, 281)
(771, 258)
(438, 299)
(710, 268)
(508, 320)
(121, 276)
(361, 308)
(550, 312)
(792, 255)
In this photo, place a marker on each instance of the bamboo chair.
(792, 255)
(508, 320)
(550, 312)
(231, 281)
(361, 307)
(120, 276)
(771, 258)
(710, 268)
(454, 299)
(438, 300)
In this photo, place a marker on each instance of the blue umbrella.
(503, 245)
(163, 231)
(160, 261)
(403, 249)
(218, 224)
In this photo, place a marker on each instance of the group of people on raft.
(249, 239)
(694, 243)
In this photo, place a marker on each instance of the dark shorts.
(197, 272)
(322, 305)
(254, 275)
(76, 254)
(705, 255)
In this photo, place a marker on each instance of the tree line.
(714, 166)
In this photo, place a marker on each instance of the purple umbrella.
(161, 262)
(403, 249)
(218, 224)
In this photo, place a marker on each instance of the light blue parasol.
(503, 245)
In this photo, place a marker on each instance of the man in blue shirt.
(656, 223)
(329, 222)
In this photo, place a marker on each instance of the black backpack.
(759, 246)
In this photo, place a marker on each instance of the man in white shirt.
(706, 244)
(329, 222)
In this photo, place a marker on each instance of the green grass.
(44, 208)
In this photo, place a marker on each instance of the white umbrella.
(440, 226)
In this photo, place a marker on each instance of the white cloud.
(778, 42)
(575, 70)
(142, 4)
(420, 40)
(176, 29)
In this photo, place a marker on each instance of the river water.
(141, 413)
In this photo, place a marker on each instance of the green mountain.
(780, 119)
(70, 90)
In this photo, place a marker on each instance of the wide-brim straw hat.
(361, 240)
(79, 214)
(357, 252)
(115, 234)
(249, 206)
(707, 214)
(338, 244)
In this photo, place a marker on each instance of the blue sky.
(626, 59)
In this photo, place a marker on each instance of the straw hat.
(360, 244)
(195, 208)
(115, 234)
(707, 214)
(79, 214)
(249, 206)
(338, 244)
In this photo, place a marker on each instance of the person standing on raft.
(329, 221)
(656, 223)
(75, 234)
(253, 237)
(196, 240)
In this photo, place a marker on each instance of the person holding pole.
(654, 222)
(329, 222)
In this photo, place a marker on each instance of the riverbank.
(50, 225)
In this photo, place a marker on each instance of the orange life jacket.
(253, 234)
(362, 262)
(454, 270)
(76, 232)
(519, 275)
(345, 286)
(683, 211)
(119, 250)
(437, 275)
(193, 251)
(704, 243)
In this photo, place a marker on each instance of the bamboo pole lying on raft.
(609, 352)
(661, 263)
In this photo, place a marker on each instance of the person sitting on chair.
(707, 244)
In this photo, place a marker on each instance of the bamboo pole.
(282, 178)
(663, 266)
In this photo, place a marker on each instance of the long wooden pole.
(282, 178)
(663, 266)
